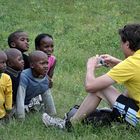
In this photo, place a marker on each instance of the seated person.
(5, 89)
(33, 81)
(20, 40)
(44, 42)
(126, 107)
(15, 65)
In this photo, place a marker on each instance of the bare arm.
(93, 84)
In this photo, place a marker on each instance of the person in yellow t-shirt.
(125, 107)
(5, 89)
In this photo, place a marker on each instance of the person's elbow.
(90, 88)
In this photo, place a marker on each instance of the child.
(126, 107)
(5, 89)
(19, 40)
(33, 81)
(15, 65)
(44, 42)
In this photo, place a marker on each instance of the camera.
(101, 61)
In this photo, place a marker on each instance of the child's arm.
(50, 74)
(8, 96)
(20, 102)
(51, 71)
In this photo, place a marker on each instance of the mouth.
(27, 46)
(49, 53)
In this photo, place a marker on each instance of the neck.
(36, 75)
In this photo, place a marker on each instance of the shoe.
(50, 121)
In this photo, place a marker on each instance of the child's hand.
(50, 83)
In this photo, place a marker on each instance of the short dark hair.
(39, 38)
(131, 33)
(12, 37)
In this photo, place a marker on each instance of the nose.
(22, 62)
(4, 65)
(46, 66)
(26, 41)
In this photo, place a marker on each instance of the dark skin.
(39, 64)
(3, 59)
(47, 46)
(21, 42)
(15, 59)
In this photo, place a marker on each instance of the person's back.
(5, 88)
(34, 82)
(15, 65)
(19, 40)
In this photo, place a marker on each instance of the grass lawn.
(81, 28)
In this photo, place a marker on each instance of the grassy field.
(81, 28)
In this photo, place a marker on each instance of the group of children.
(26, 80)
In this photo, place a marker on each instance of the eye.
(22, 39)
(28, 40)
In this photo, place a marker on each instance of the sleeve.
(23, 80)
(51, 71)
(122, 72)
(20, 102)
(8, 94)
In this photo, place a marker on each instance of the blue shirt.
(33, 86)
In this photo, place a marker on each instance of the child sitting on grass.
(44, 42)
(34, 82)
(20, 40)
(5, 89)
(15, 65)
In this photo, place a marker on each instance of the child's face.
(3, 59)
(46, 45)
(21, 42)
(17, 63)
(40, 66)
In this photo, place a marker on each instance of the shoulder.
(26, 74)
(52, 58)
(5, 76)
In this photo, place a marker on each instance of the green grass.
(81, 28)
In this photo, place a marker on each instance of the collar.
(137, 52)
(12, 71)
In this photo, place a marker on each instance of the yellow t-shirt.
(128, 73)
(5, 94)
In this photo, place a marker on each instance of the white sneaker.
(50, 121)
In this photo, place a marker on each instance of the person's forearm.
(118, 61)
(89, 79)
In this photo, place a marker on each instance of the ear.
(9, 63)
(31, 65)
(127, 44)
(13, 44)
